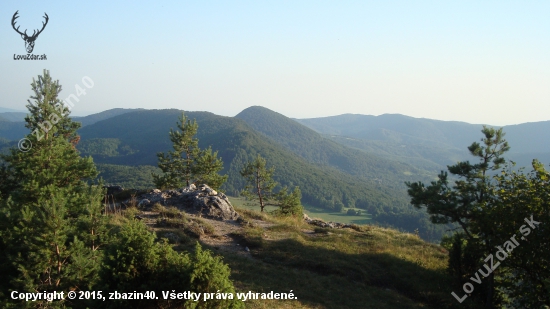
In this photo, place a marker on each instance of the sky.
(483, 62)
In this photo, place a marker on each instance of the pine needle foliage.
(52, 226)
(289, 203)
(260, 181)
(260, 185)
(134, 261)
(54, 236)
(187, 164)
(492, 208)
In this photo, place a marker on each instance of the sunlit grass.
(362, 267)
(366, 267)
(311, 211)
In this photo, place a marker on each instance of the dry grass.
(357, 267)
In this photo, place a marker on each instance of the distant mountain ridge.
(317, 149)
(12, 125)
(10, 110)
(446, 138)
(405, 129)
(135, 138)
(85, 120)
(13, 116)
(91, 119)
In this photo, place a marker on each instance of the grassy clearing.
(367, 267)
(172, 218)
(336, 216)
(311, 211)
(332, 268)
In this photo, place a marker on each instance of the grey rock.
(172, 237)
(202, 200)
(189, 188)
(144, 202)
(209, 191)
(323, 224)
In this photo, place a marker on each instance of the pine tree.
(51, 217)
(521, 207)
(177, 165)
(260, 181)
(187, 163)
(260, 187)
(206, 168)
(468, 203)
(289, 203)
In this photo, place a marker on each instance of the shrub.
(135, 262)
(353, 212)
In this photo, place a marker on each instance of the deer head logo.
(29, 40)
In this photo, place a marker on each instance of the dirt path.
(225, 233)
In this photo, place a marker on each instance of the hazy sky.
(474, 61)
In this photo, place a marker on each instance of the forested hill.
(442, 142)
(8, 110)
(135, 138)
(12, 124)
(91, 119)
(395, 127)
(316, 149)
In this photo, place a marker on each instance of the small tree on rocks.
(187, 163)
(260, 181)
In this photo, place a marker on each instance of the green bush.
(353, 212)
(135, 262)
(289, 203)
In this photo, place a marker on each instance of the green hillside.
(146, 132)
(363, 267)
(397, 128)
(14, 116)
(134, 139)
(12, 130)
(430, 158)
(317, 149)
(91, 119)
(427, 143)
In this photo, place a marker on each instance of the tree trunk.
(259, 191)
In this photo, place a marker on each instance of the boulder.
(201, 200)
(143, 203)
(323, 224)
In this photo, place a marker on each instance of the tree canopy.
(54, 236)
(491, 204)
(187, 163)
(51, 223)
(260, 185)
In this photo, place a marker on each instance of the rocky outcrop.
(202, 200)
(330, 224)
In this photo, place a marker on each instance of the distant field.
(310, 211)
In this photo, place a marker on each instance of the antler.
(43, 26)
(13, 24)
